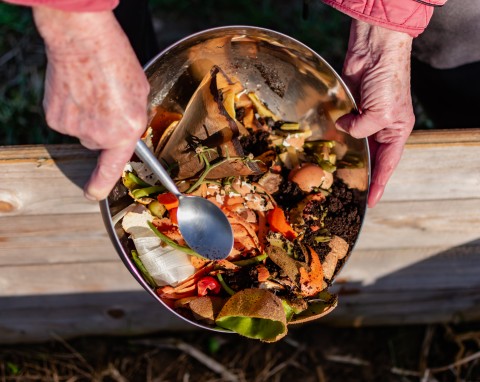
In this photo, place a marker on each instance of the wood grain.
(37, 180)
(416, 260)
(92, 277)
(54, 239)
(420, 224)
(436, 171)
(47, 317)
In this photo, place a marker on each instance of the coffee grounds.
(342, 218)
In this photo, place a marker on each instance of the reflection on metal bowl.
(295, 83)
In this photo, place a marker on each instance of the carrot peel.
(278, 223)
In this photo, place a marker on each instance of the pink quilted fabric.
(409, 16)
(70, 5)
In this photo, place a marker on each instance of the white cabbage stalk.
(119, 215)
(166, 265)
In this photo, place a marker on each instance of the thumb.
(110, 165)
(361, 125)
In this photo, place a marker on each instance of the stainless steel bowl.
(295, 82)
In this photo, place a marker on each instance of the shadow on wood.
(43, 317)
(443, 287)
(73, 162)
(417, 260)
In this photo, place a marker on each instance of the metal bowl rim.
(105, 208)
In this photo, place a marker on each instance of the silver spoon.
(202, 224)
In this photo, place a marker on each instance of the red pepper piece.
(168, 200)
(207, 284)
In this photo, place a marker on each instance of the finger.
(387, 157)
(352, 80)
(90, 144)
(110, 165)
(361, 125)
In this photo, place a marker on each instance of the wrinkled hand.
(95, 89)
(377, 71)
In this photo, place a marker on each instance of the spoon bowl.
(202, 224)
(204, 227)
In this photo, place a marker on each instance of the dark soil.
(313, 352)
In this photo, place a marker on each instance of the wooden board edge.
(444, 137)
(42, 154)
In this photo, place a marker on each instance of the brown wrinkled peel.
(206, 308)
(315, 311)
(259, 305)
(285, 262)
(208, 123)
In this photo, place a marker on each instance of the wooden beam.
(416, 260)
(54, 239)
(436, 166)
(41, 180)
(421, 224)
(35, 318)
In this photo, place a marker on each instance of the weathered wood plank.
(47, 317)
(93, 277)
(421, 287)
(436, 171)
(421, 224)
(60, 238)
(50, 239)
(421, 307)
(412, 269)
(409, 285)
(445, 136)
(37, 180)
(416, 261)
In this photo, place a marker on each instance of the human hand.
(95, 89)
(377, 71)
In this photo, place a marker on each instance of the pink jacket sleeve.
(70, 5)
(409, 16)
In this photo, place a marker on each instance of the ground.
(314, 352)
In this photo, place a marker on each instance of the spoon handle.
(144, 153)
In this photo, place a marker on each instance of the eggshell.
(309, 176)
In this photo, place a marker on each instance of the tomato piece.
(168, 200)
(173, 215)
(207, 284)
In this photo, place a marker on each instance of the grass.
(22, 66)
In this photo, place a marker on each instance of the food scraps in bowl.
(294, 220)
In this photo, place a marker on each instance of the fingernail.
(87, 192)
(340, 127)
(375, 194)
(89, 196)
(343, 123)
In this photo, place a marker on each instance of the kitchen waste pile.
(294, 219)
